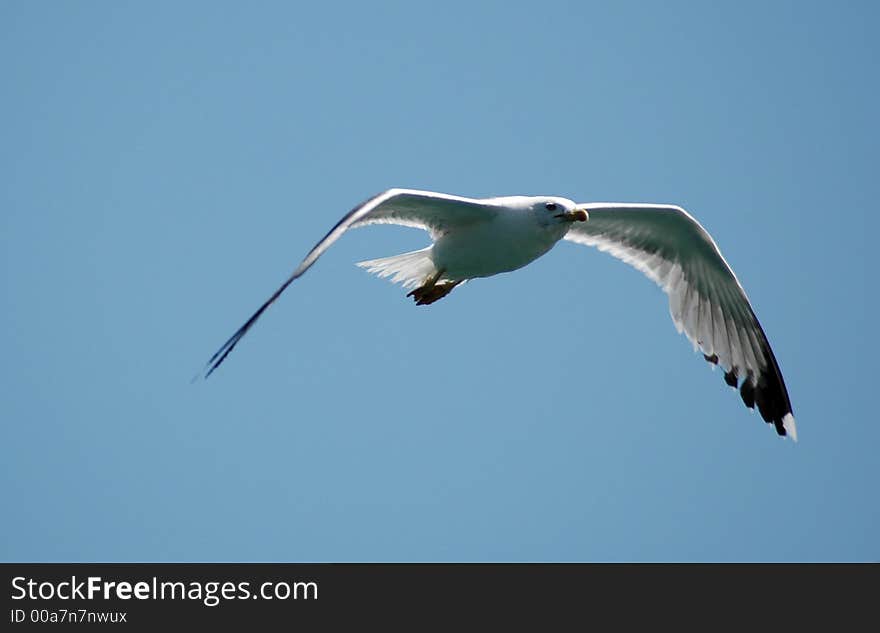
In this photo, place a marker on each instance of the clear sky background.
(165, 165)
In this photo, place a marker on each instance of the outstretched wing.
(706, 300)
(434, 212)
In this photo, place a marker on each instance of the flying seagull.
(475, 238)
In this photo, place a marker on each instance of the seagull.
(482, 237)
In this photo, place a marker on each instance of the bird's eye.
(550, 206)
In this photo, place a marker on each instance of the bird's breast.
(494, 247)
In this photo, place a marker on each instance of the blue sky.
(165, 165)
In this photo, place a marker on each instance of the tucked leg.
(431, 291)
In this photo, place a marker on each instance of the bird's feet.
(431, 291)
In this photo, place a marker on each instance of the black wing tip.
(768, 394)
(747, 392)
(215, 361)
(220, 355)
(766, 391)
(730, 378)
(780, 428)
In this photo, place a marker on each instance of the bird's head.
(553, 211)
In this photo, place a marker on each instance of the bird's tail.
(406, 269)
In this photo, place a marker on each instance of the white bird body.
(474, 238)
(512, 239)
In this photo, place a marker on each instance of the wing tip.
(790, 427)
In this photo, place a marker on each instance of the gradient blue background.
(165, 165)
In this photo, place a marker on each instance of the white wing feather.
(706, 300)
(434, 212)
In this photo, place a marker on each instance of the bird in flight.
(481, 237)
